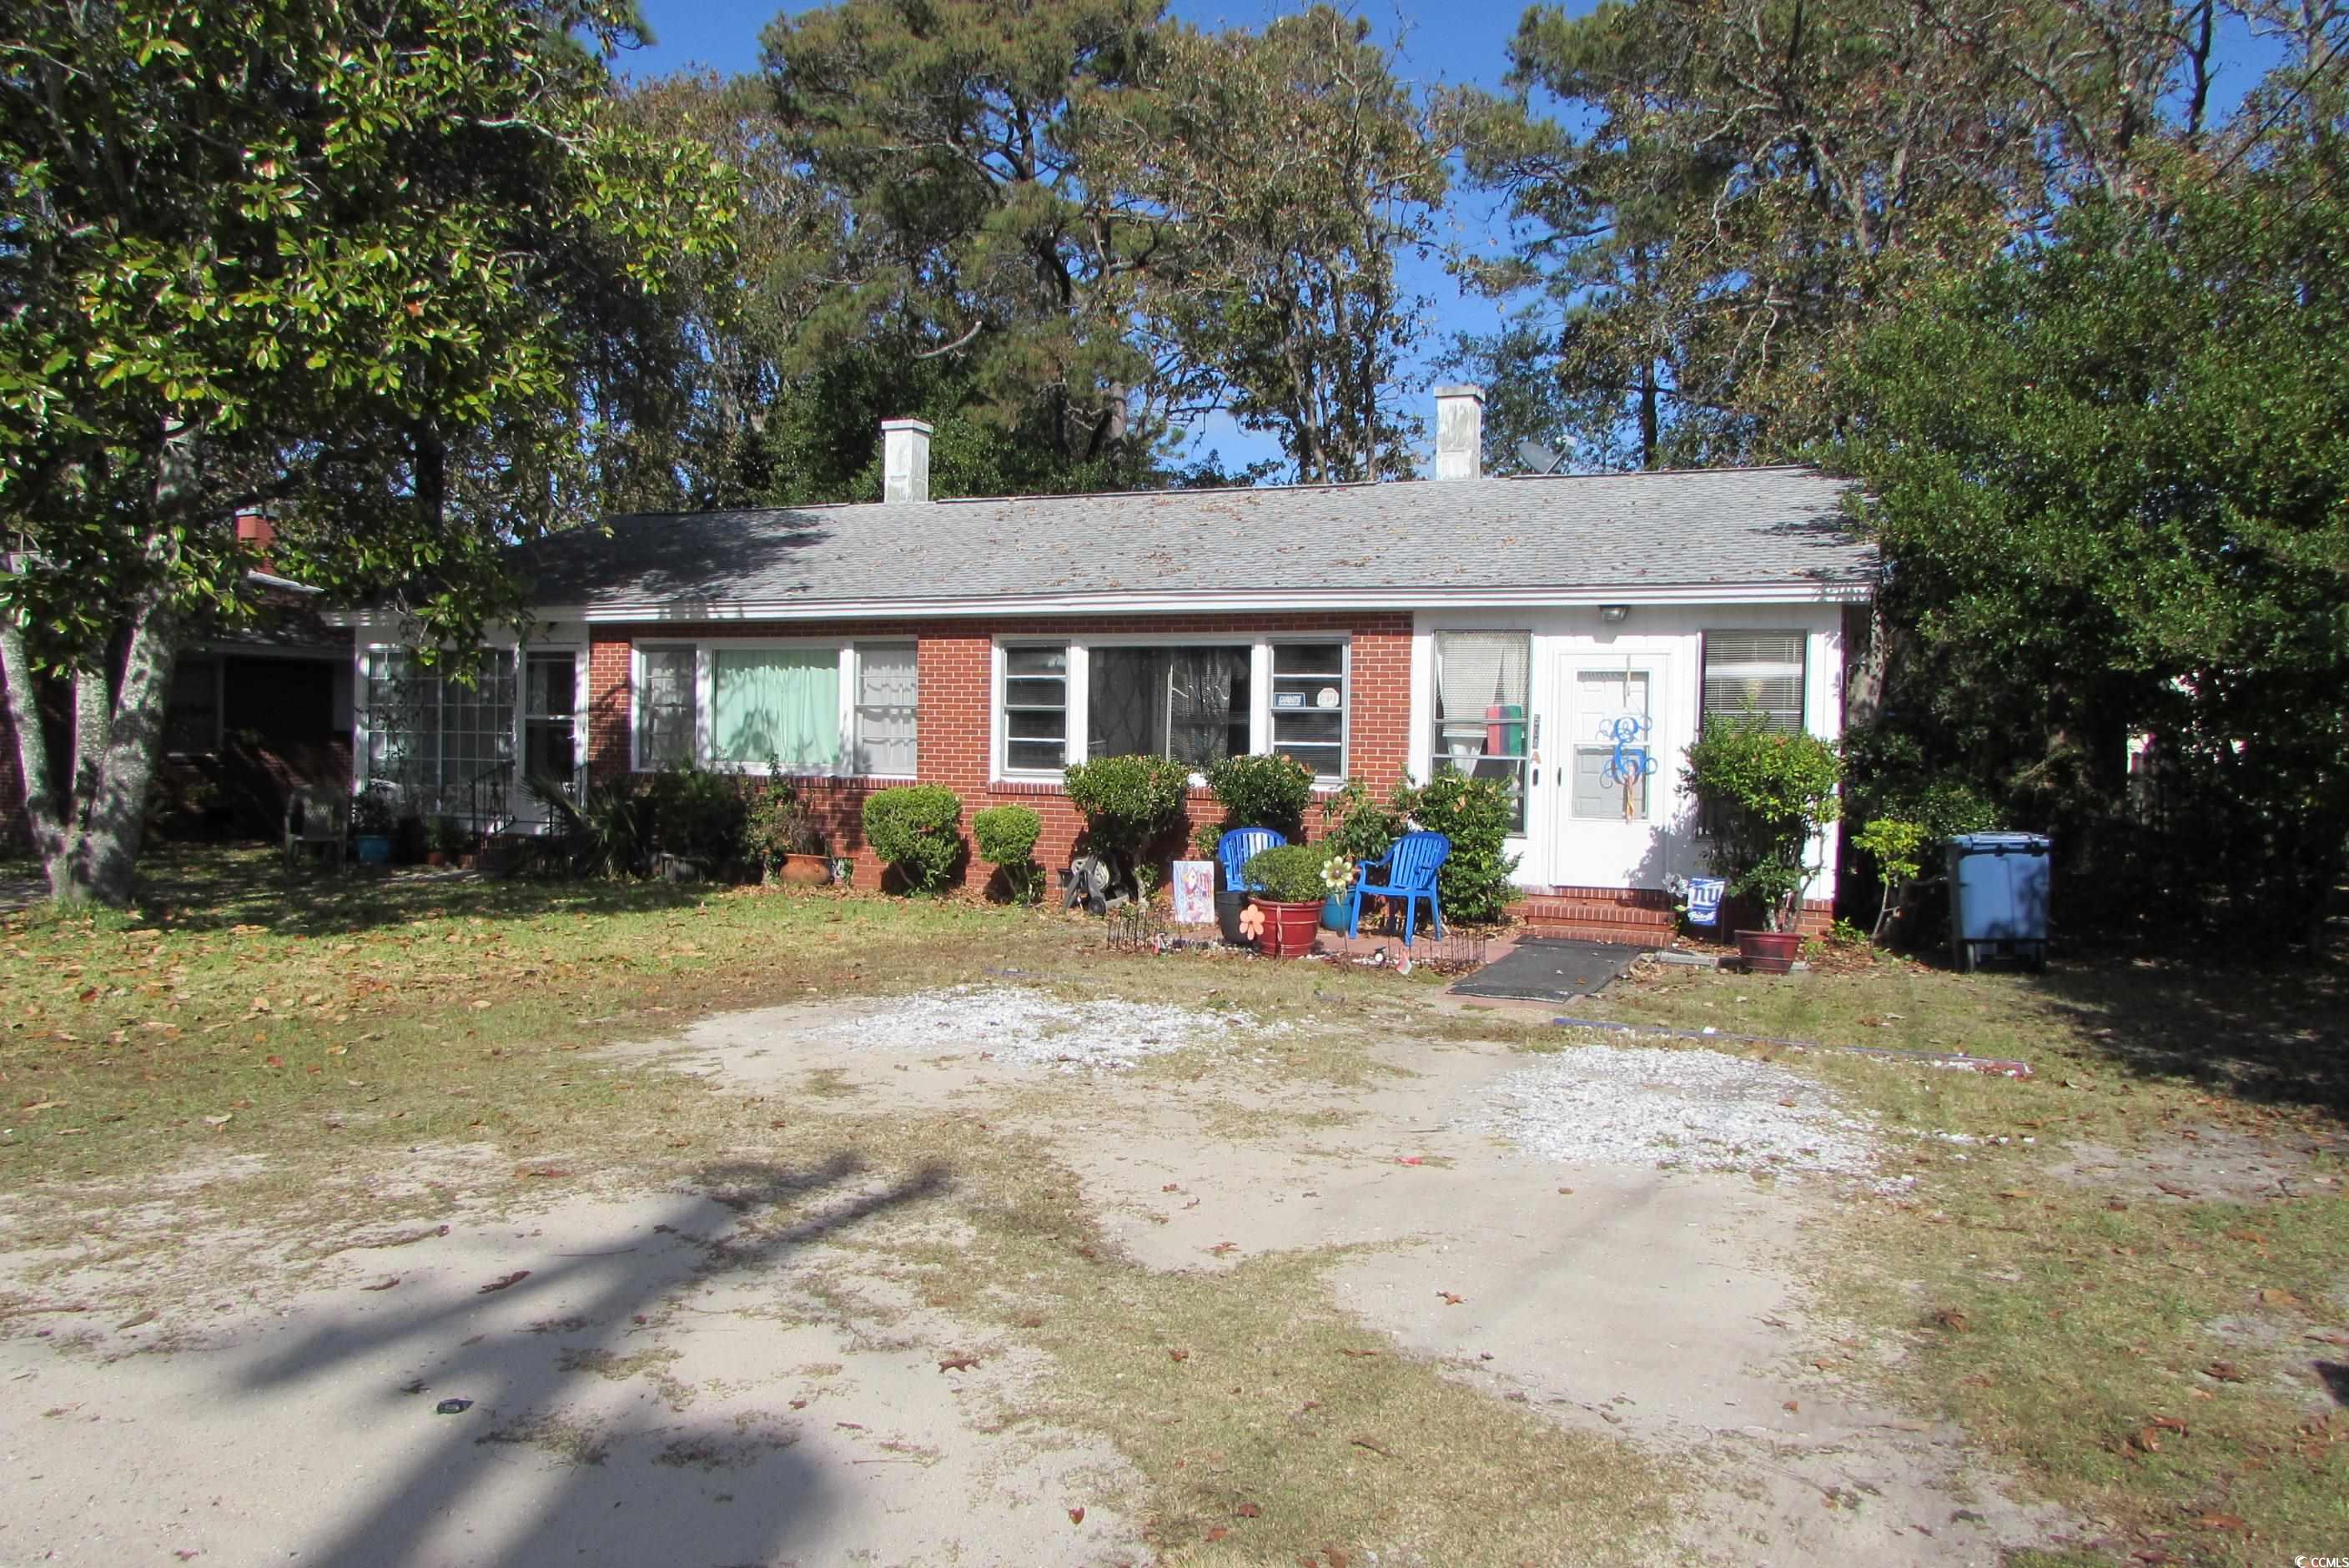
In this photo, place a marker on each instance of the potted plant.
(1356, 826)
(1773, 791)
(1288, 909)
(782, 836)
(1007, 838)
(374, 815)
(445, 842)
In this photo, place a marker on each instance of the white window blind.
(664, 708)
(1036, 709)
(886, 689)
(1754, 673)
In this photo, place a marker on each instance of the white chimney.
(1459, 432)
(905, 460)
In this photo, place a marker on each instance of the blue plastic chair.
(1409, 867)
(1237, 848)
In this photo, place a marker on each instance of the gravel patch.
(1693, 1110)
(1034, 1028)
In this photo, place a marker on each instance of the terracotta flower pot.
(1290, 928)
(805, 871)
(1769, 952)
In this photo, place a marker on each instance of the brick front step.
(1611, 935)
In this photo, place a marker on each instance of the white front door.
(1607, 789)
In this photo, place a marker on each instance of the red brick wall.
(955, 664)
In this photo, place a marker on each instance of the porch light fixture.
(1614, 614)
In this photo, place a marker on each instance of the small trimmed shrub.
(1290, 873)
(698, 814)
(1006, 836)
(1127, 802)
(916, 828)
(1475, 814)
(1263, 791)
(1775, 790)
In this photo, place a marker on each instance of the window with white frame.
(886, 683)
(1483, 694)
(1034, 720)
(433, 734)
(1754, 673)
(801, 708)
(665, 686)
(1194, 703)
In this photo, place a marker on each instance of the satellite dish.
(1537, 458)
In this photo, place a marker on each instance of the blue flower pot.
(1333, 911)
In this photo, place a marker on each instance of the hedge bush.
(916, 828)
(1263, 791)
(1776, 789)
(1288, 873)
(1006, 836)
(1475, 814)
(1126, 801)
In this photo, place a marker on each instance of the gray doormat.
(1550, 969)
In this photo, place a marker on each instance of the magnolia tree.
(355, 262)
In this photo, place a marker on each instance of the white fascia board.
(1264, 600)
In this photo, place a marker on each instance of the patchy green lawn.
(2111, 1286)
(2095, 1283)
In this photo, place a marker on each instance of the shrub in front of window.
(1774, 790)
(1476, 815)
(700, 815)
(780, 823)
(1356, 824)
(917, 829)
(1006, 837)
(1262, 791)
(1290, 873)
(1127, 803)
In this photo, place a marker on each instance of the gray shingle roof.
(1778, 527)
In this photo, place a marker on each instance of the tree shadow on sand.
(646, 1510)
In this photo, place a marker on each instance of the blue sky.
(1462, 42)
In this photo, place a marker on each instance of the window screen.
(1308, 705)
(1187, 704)
(1754, 673)
(1036, 709)
(664, 708)
(885, 688)
(1482, 681)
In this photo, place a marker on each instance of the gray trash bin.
(1998, 898)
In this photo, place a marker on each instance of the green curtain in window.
(783, 703)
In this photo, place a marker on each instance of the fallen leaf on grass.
(1793, 1406)
(1950, 1318)
(1216, 1533)
(2220, 1522)
(1376, 1447)
(514, 1278)
(386, 1283)
(1247, 1511)
(1076, 1516)
(220, 1120)
(1220, 1248)
(2270, 1296)
(1345, 1351)
(2224, 1371)
(2169, 1424)
(1449, 1299)
(1171, 1187)
(135, 1320)
(2173, 1189)
(1178, 1355)
(958, 1362)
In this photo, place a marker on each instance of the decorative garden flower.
(1252, 922)
(1337, 874)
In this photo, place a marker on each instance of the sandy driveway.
(702, 1376)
